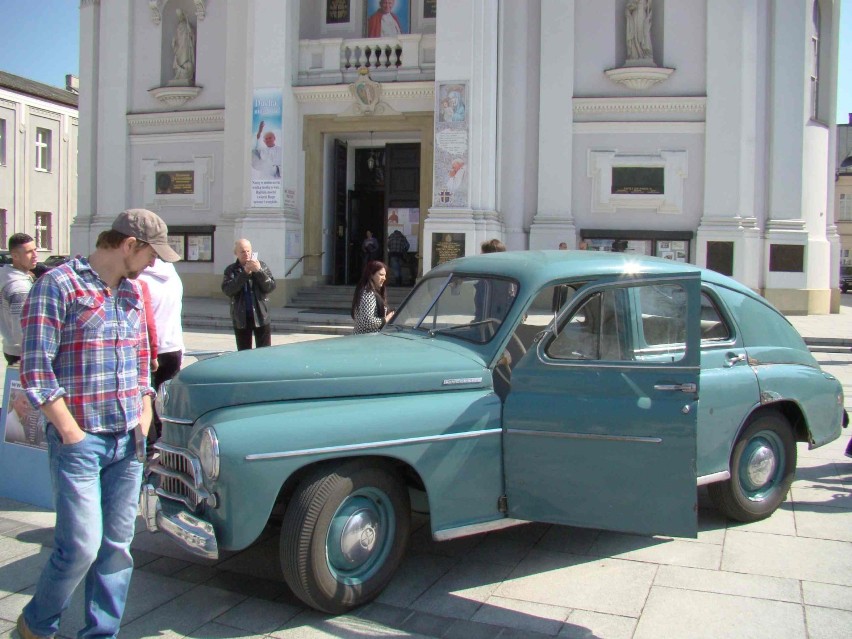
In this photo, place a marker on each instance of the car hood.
(356, 365)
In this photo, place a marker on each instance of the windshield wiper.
(455, 327)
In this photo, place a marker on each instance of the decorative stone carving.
(639, 70)
(183, 45)
(175, 96)
(366, 92)
(637, 14)
(638, 78)
(156, 7)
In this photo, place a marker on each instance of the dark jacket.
(260, 283)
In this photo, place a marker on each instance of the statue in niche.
(638, 16)
(183, 45)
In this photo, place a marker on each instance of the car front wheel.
(763, 465)
(344, 534)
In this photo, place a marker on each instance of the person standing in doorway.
(397, 252)
(84, 363)
(248, 282)
(16, 280)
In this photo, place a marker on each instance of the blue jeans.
(96, 490)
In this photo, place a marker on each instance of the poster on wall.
(387, 18)
(266, 155)
(407, 221)
(451, 145)
(337, 11)
(23, 447)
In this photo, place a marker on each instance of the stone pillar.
(553, 221)
(88, 139)
(466, 51)
(251, 66)
(104, 64)
(730, 178)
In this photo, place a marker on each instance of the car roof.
(537, 268)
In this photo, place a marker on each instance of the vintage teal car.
(579, 388)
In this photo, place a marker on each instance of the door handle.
(731, 359)
(684, 388)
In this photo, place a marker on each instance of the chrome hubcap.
(358, 537)
(761, 466)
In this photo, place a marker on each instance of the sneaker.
(24, 631)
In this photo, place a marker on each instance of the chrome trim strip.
(475, 529)
(593, 436)
(462, 380)
(383, 444)
(176, 420)
(713, 478)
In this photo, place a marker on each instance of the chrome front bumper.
(193, 534)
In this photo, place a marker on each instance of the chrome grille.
(179, 473)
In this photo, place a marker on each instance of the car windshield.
(464, 306)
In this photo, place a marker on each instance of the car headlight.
(208, 453)
(162, 397)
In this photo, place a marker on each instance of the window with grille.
(844, 213)
(44, 230)
(42, 149)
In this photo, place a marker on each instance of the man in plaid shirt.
(85, 365)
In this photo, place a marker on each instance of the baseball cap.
(149, 227)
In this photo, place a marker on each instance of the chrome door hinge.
(503, 504)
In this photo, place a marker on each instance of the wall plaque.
(446, 247)
(637, 180)
(336, 11)
(175, 182)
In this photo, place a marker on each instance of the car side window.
(713, 325)
(597, 330)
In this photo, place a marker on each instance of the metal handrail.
(290, 270)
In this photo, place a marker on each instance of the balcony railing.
(336, 61)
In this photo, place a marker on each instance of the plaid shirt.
(87, 344)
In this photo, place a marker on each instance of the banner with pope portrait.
(265, 153)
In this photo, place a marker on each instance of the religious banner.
(451, 183)
(407, 221)
(266, 153)
(25, 473)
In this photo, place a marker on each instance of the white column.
(730, 178)
(553, 221)
(260, 37)
(88, 138)
(466, 50)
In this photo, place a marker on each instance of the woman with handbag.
(369, 303)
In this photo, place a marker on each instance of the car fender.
(452, 440)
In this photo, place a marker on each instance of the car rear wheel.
(763, 465)
(344, 534)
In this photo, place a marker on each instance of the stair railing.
(297, 262)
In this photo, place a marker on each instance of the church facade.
(695, 130)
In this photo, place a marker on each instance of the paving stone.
(828, 623)
(215, 630)
(7, 526)
(315, 626)
(823, 522)
(463, 629)
(827, 595)
(782, 522)
(522, 615)
(568, 539)
(584, 624)
(258, 560)
(183, 614)
(613, 586)
(659, 550)
(729, 583)
(11, 549)
(416, 575)
(687, 614)
(792, 557)
(164, 565)
(508, 551)
(26, 513)
(258, 616)
(393, 616)
(460, 592)
(836, 496)
(427, 624)
(247, 585)
(11, 605)
(22, 571)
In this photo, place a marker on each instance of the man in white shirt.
(384, 23)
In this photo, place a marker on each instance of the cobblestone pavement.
(789, 576)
